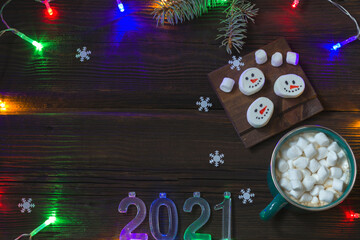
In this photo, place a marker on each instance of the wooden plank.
(136, 65)
(287, 112)
(80, 165)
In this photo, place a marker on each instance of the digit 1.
(154, 218)
(190, 232)
(126, 232)
(226, 215)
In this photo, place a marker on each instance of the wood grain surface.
(287, 111)
(78, 136)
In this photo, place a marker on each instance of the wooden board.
(287, 112)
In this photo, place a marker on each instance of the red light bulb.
(295, 3)
(49, 10)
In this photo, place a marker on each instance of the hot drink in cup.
(312, 169)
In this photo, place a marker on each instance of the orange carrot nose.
(253, 80)
(293, 86)
(263, 110)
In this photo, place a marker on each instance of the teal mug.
(281, 199)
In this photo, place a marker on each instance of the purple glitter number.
(126, 232)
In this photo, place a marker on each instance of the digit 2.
(190, 232)
(126, 232)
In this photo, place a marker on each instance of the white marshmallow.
(335, 172)
(259, 112)
(315, 191)
(309, 182)
(282, 165)
(251, 81)
(260, 56)
(314, 165)
(227, 84)
(276, 59)
(292, 58)
(291, 164)
(344, 177)
(338, 185)
(322, 152)
(341, 154)
(295, 174)
(314, 200)
(334, 147)
(294, 152)
(306, 198)
(301, 162)
(331, 158)
(306, 172)
(328, 183)
(310, 151)
(330, 189)
(296, 185)
(322, 174)
(292, 143)
(283, 153)
(302, 143)
(284, 183)
(296, 193)
(326, 196)
(322, 139)
(323, 163)
(344, 164)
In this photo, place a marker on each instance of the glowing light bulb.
(295, 3)
(38, 45)
(120, 6)
(339, 45)
(42, 226)
(2, 106)
(47, 5)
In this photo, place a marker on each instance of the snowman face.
(251, 81)
(260, 112)
(289, 86)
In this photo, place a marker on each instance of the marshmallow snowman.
(289, 86)
(251, 81)
(260, 112)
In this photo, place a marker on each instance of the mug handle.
(274, 207)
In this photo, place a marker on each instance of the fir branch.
(178, 11)
(234, 26)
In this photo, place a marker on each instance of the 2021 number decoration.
(190, 232)
(126, 232)
(225, 206)
(154, 218)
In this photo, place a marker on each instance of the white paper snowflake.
(26, 205)
(236, 63)
(246, 196)
(204, 104)
(216, 158)
(83, 54)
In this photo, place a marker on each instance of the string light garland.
(48, 8)
(120, 5)
(350, 39)
(38, 229)
(36, 44)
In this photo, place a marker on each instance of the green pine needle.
(234, 26)
(178, 11)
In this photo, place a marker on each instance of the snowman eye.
(286, 82)
(252, 75)
(293, 82)
(246, 78)
(255, 110)
(261, 105)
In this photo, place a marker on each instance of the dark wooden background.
(77, 137)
